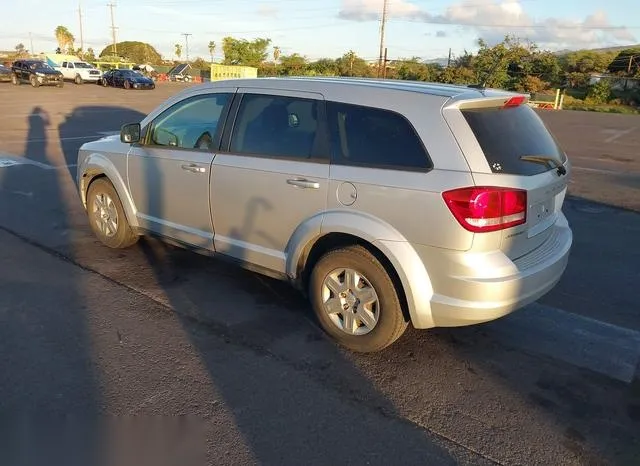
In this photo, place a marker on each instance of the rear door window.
(507, 134)
(374, 137)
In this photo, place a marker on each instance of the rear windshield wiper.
(549, 161)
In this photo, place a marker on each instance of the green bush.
(599, 93)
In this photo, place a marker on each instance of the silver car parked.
(388, 202)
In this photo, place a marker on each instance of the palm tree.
(65, 38)
(276, 57)
(212, 49)
(178, 50)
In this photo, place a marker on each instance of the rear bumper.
(500, 286)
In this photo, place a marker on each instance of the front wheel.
(34, 81)
(14, 80)
(127, 85)
(104, 82)
(355, 300)
(78, 79)
(107, 217)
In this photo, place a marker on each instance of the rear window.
(507, 134)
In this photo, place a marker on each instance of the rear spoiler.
(493, 100)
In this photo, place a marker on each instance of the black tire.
(15, 80)
(104, 82)
(34, 81)
(127, 85)
(391, 323)
(60, 84)
(124, 236)
(78, 80)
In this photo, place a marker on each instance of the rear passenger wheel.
(14, 80)
(106, 216)
(355, 300)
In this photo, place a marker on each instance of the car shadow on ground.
(280, 406)
(520, 397)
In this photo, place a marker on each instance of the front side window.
(191, 124)
(276, 126)
(374, 137)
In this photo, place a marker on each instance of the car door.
(169, 172)
(270, 176)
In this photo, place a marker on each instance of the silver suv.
(388, 202)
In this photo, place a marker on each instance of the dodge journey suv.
(385, 202)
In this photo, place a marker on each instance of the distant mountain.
(437, 61)
(600, 50)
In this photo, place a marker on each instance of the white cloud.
(492, 21)
(367, 10)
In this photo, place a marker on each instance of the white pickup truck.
(79, 72)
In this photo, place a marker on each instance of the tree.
(351, 64)
(323, 67)
(20, 50)
(212, 49)
(178, 50)
(200, 64)
(580, 65)
(412, 69)
(89, 55)
(293, 65)
(244, 52)
(626, 63)
(276, 54)
(137, 52)
(65, 39)
(600, 92)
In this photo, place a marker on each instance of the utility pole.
(186, 43)
(449, 59)
(382, 25)
(31, 41)
(630, 62)
(113, 29)
(384, 69)
(80, 19)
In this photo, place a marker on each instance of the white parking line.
(7, 160)
(616, 133)
(588, 343)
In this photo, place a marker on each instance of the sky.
(326, 28)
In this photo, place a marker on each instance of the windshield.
(39, 65)
(80, 64)
(129, 73)
(510, 136)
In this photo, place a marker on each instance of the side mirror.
(130, 133)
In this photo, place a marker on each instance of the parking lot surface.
(157, 331)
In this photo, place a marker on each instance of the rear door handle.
(302, 183)
(192, 167)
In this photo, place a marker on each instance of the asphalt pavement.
(158, 333)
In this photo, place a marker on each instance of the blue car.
(128, 79)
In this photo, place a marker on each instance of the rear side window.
(507, 134)
(373, 137)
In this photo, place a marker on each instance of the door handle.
(192, 167)
(302, 183)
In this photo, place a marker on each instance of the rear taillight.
(483, 208)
